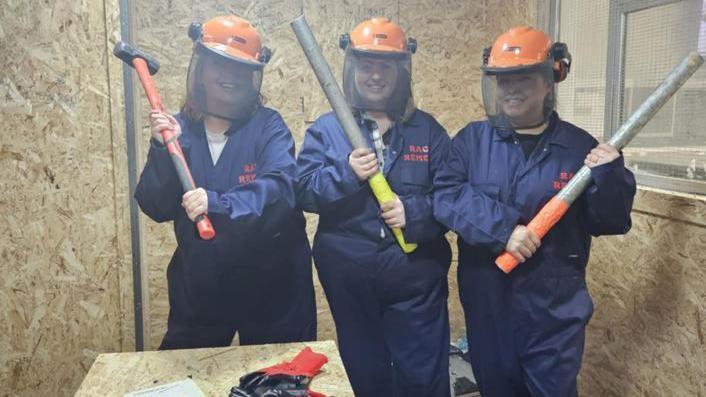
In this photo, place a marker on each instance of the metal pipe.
(637, 120)
(328, 82)
(130, 105)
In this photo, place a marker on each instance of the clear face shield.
(222, 86)
(378, 81)
(519, 98)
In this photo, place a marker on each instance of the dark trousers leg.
(416, 322)
(359, 327)
(185, 335)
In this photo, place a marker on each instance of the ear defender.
(265, 55)
(344, 41)
(562, 61)
(195, 31)
(412, 45)
(486, 55)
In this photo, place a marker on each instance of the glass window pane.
(673, 144)
(581, 97)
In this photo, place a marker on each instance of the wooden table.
(214, 370)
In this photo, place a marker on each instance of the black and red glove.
(287, 379)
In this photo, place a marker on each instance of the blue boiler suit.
(255, 276)
(389, 307)
(526, 329)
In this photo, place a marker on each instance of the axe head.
(127, 53)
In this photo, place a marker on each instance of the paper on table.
(182, 388)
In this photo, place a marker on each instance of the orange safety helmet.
(233, 37)
(524, 47)
(378, 35)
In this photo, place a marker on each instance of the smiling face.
(225, 80)
(221, 86)
(521, 97)
(375, 79)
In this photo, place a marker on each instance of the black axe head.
(127, 53)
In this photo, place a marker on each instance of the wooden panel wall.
(646, 337)
(60, 273)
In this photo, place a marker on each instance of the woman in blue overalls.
(526, 328)
(255, 277)
(389, 307)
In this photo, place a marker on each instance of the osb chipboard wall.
(451, 36)
(60, 300)
(646, 337)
